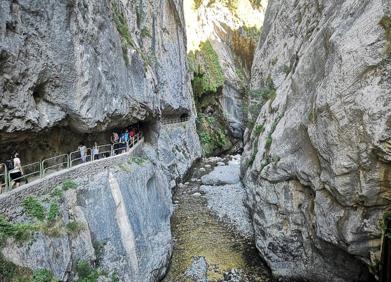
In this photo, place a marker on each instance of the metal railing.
(54, 164)
(76, 157)
(28, 172)
(103, 151)
(51, 165)
(3, 178)
(175, 120)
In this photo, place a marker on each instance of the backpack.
(9, 164)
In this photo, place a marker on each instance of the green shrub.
(53, 212)
(259, 129)
(209, 75)
(145, 32)
(43, 275)
(286, 69)
(73, 227)
(123, 29)
(7, 269)
(34, 208)
(68, 184)
(268, 143)
(114, 277)
(86, 273)
(57, 192)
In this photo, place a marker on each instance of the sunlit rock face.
(316, 163)
(90, 65)
(229, 26)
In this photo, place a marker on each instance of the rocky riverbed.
(211, 227)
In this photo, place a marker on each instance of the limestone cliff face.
(316, 163)
(115, 223)
(232, 28)
(90, 65)
(73, 67)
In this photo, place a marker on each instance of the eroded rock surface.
(90, 65)
(123, 218)
(316, 162)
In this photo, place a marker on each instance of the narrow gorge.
(195, 140)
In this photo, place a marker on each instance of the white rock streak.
(124, 225)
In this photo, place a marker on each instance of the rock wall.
(316, 163)
(224, 23)
(90, 65)
(70, 68)
(123, 214)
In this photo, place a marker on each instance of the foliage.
(85, 272)
(268, 142)
(68, 184)
(7, 269)
(57, 193)
(197, 4)
(123, 29)
(145, 32)
(53, 212)
(213, 135)
(286, 69)
(43, 275)
(259, 129)
(74, 227)
(209, 75)
(244, 42)
(19, 231)
(11, 272)
(114, 277)
(34, 208)
(385, 23)
(257, 98)
(99, 248)
(256, 4)
(138, 160)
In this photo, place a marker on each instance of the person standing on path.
(83, 152)
(16, 172)
(95, 151)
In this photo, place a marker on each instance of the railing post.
(41, 169)
(6, 181)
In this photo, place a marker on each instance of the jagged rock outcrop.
(316, 163)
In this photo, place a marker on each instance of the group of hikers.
(119, 141)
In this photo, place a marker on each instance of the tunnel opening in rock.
(34, 147)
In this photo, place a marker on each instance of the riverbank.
(211, 229)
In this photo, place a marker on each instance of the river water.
(199, 233)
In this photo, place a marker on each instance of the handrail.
(61, 162)
(175, 120)
(80, 158)
(3, 178)
(27, 171)
(104, 153)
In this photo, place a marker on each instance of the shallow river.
(199, 233)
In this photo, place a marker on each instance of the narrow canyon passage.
(199, 233)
